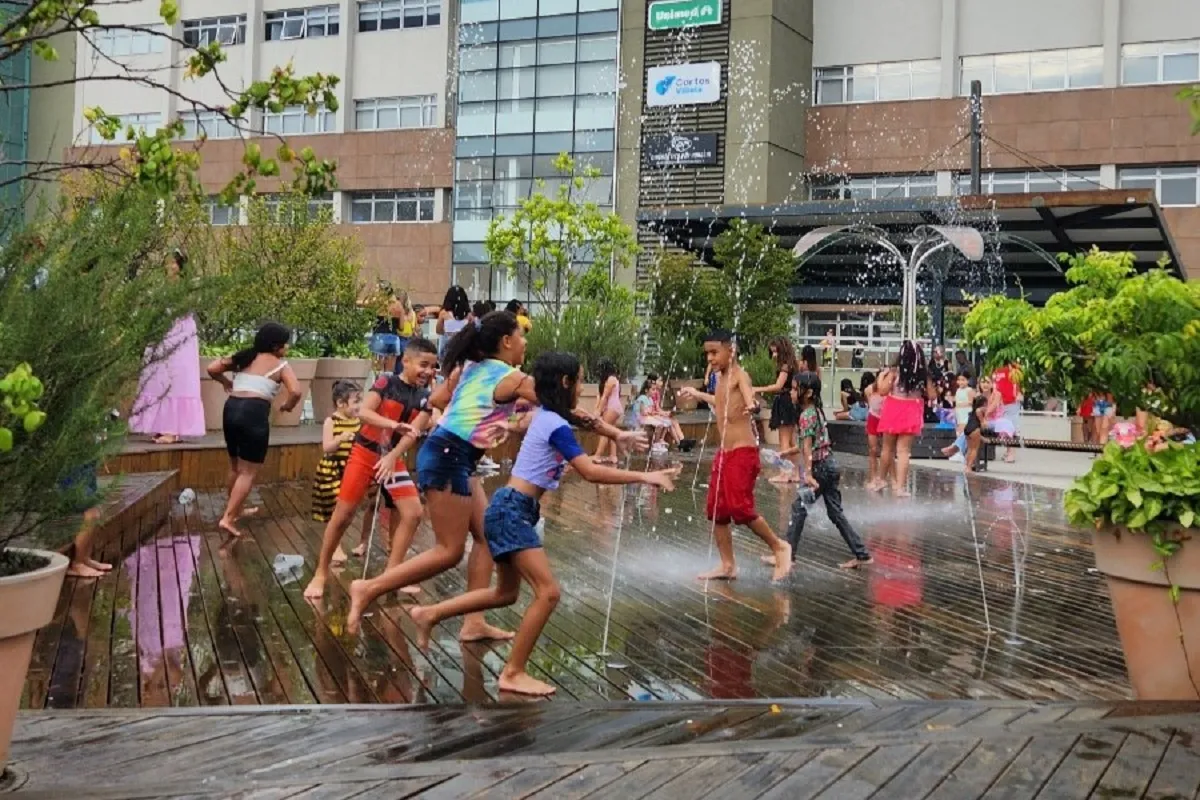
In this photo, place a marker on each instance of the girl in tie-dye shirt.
(484, 388)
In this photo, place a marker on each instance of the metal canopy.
(1023, 234)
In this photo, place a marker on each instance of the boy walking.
(736, 465)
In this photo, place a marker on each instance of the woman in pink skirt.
(903, 414)
(168, 405)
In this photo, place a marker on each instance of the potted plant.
(1136, 337)
(30, 579)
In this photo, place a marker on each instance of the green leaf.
(1174, 593)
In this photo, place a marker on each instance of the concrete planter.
(1161, 639)
(306, 370)
(685, 403)
(212, 396)
(27, 602)
(331, 370)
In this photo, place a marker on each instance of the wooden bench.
(988, 451)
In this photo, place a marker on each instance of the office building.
(390, 134)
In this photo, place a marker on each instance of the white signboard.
(683, 84)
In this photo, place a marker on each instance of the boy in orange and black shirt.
(393, 404)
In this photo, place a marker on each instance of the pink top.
(614, 398)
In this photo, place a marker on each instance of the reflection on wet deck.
(186, 621)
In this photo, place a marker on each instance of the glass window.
(597, 5)
(514, 30)
(556, 51)
(1085, 67)
(977, 68)
(209, 124)
(219, 214)
(296, 119)
(478, 33)
(519, 54)
(302, 23)
(513, 145)
(518, 9)
(1161, 62)
(399, 206)
(1181, 67)
(514, 116)
(556, 26)
(555, 114)
(516, 83)
(1042, 71)
(476, 119)
(477, 146)
(556, 80)
(229, 30)
(140, 123)
(552, 143)
(473, 169)
(477, 86)
(550, 7)
(384, 113)
(514, 166)
(597, 48)
(117, 42)
(601, 161)
(599, 22)
(478, 11)
(477, 58)
(597, 78)
(595, 111)
(1012, 73)
(866, 83)
(593, 141)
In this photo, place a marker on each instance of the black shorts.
(247, 424)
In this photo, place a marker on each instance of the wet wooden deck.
(979, 590)
(796, 750)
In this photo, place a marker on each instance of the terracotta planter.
(685, 403)
(212, 396)
(28, 604)
(306, 370)
(331, 370)
(1149, 623)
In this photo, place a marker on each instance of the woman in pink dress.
(168, 405)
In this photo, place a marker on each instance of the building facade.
(390, 135)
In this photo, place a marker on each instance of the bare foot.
(424, 622)
(81, 570)
(876, 486)
(522, 683)
(358, 551)
(769, 560)
(412, 590)
(251, 511)
(358, 604)
(855, 563)
(100, 565)
(316, 588)
(719, 574)
(901, 493)
(339, 556)
(483, 632)
(949, 451)
(783, 561)
(166, 438)
(227, 526)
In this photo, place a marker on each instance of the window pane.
(410, 117)
(513, 145)
(518, 55)
(557, 26)
(479, 146)
(862, 89)
(514, 167)
(1012, 74)
(1178, 192)
(557, 51)
(479, 10)
(514, 116)
(519, 29)
(556, 80)
(595, 111)
(518, 9)
(360, 211)
(894, 87)
(597, 78)
(552, 143)
(597, 48)
(1181, 67)
(516, 83)
(389, 117)
(592, 141)
(473, 169)
(476, 119)
(981, 74)
(549, 7)
(1085, 72)
(477, 57)
(1141, 69)
(363, 120)
(830, 92)
(477, 86)
(599, 22)
(1047, 73)
(926, 84)
(555, 114)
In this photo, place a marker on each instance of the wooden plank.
(67, 675)
(709, 773)
(586, 781)
(817, 774)
(1178, 773)
(464, 784)
(123, 676)
(1024, 776)
(527, 781)
(1083, 766)
(979, 770)
(1132, 769)
(923, 774)
(175, 575)
(868, 776)
(45, 650)
(146, 614)
(770, 770)
(394, 789)
(644, 780)
(98, 655)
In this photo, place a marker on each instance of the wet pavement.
(979, 590)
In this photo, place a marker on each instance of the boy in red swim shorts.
(736, 465)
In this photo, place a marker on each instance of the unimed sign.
(667, 14)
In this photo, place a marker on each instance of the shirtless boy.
(736, 465)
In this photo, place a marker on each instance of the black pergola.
(1024, 234)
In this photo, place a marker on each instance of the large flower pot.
(26, 604)
(686, 403)
(1161, 639)
(330, 371)
(306, 370)
(212, 397)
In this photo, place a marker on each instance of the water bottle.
(187, 497)
(807, 495)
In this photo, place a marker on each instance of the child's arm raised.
(440, 398)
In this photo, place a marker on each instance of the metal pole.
(976, 137)
(938, 310)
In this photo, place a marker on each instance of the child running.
(395, 405)
(736, 465)
(481, 393)
(821, 473)
(509, 524)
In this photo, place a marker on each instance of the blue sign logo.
(664, 86)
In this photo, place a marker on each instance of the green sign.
(667, 14)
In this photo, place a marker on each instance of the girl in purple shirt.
(511, 518)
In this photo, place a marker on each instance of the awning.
(1024, 235)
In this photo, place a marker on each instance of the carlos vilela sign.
(683, 84)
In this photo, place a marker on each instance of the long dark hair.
(553, 393)
(808, 381)
(785, 353)
(269, 339)
(607, 369)
(651, 377)
(868, 379)
(910, 363)
(457, 302)
(808, 358)
(479, 341)
(851, 392)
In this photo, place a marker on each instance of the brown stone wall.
(1124, 126)
(415, 256)
(1184, 226)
